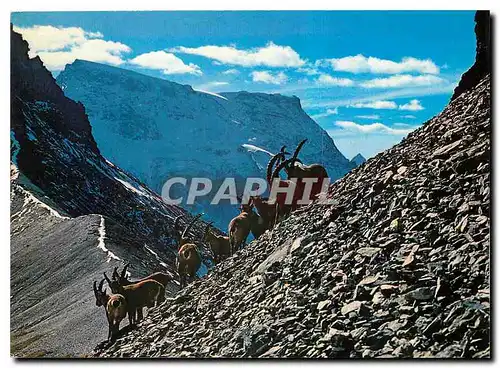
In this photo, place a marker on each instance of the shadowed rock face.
(482, 65)
(397, 267)
(74, 215)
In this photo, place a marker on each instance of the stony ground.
(397, 267)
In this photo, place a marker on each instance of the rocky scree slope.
(398, 266)
(157, 129)
(73, 216)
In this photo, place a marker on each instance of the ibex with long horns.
(115, 306)
(294, 168)
(188, 257)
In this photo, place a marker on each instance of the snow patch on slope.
(100, 241)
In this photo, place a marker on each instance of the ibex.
(219, 244)
(240, 226)
(142, 294)
(161, 277)
(115, 306)
(189, 257)
(294, 168)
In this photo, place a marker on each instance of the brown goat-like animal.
(188, 257)
(115, 306)
(294, 168)
(142, 294)
(240, 226)
(219, 244)
(161, 277)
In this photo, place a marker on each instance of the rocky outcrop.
(482, 65)
(395, 266)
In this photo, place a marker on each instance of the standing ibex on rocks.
(219, 244)
(189, 257)
(240, 227)
(141, 294)
(294, 168)
(115, 306)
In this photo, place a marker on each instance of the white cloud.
(363, 64)
(413, 105)
(309, 71)
(271, 55)
(377, 105)
(231, 72)
(58, 46)
(408, 117)
(374, 128)
(328, 112)
(370, 117)
(169, 63)
(269, 78)
(326, 79)
(403, 80)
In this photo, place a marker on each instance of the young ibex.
(219, 244)
(189, 257)
(142, 294)
(161, 277)
(115, 306)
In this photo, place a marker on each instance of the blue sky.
(367, 77)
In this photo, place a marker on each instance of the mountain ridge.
(157, 129)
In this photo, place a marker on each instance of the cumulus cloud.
(271, 55)
(268, 77)
(377, 105)
(362, 64)
(326, 79)
(231, 72)
(374, 128)
(328, 112)
(370, 117)
(58, 46)
(403, 80)
(167, 62)
(413, 105)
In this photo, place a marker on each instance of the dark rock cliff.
(482, 65)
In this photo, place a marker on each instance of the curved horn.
(299, 147)
(177, 220)
(124, 272)
(278, 169)
(100, 286)
(115, 276)
(188, 227)
(207, 229)
(107, 279)
(270, 166)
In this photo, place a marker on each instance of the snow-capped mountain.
(157, 129)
